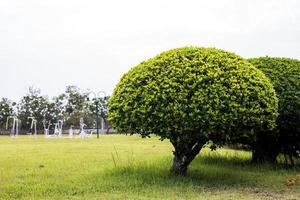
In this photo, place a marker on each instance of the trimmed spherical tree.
(192, 96)
(285, 76)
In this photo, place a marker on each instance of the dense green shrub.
(190, 96)
(285, 76)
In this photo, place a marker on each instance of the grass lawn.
(129, 167)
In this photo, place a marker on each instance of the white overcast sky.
(50, 44)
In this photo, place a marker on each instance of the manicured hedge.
(192, 95)
(285, 76)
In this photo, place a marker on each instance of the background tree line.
(69, 106)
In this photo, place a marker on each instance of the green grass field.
(129, 167)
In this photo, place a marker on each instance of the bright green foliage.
(193, 94)
(285, 76)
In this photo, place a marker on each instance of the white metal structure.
(60, 127)
(46, 128)
(33, 126)
(71, 132)
(15, 125)
(82, 133)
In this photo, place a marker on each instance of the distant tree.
(33, 104)
(192, 96)
(75, 105)
(103, 109)
(54, 112)
(6, 109)
(75, 98)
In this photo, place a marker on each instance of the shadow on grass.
(236, 161)
(206, 172)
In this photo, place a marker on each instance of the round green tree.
(192, 96)
(285, 76)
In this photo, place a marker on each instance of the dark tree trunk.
(266, 149)
(261, 155)
(183, 156)
(179, 167)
